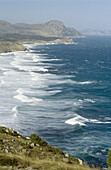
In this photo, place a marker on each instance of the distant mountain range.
(96, 32)
(12, 36)
(52, 28)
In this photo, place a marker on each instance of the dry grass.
(16, 152)
(23, 162)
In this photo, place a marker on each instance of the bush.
(34, 137)
(109, 159)
(38, 140)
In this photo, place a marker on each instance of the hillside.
(18, 152)
(49, 29)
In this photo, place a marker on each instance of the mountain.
(96, 32)
(52, 28)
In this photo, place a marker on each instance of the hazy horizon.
(80, 14)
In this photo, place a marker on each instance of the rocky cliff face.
(57, 28)
(52, 28)
(11, 47)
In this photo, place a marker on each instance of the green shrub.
(38, 140)
(2, 129)
(34, 137)
(109, 159)
(72, 159)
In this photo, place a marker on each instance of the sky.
(80, 14)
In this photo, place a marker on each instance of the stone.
(19, 136)
(37, 145)
(13, 140)
(80, 162)
(18, 133)
(66, 155)
(28, 138)
(11, 130)
(7, 131)
(32, 144)
(6, 150)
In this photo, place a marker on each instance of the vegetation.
(18, 152)
(50, 29)
(109, 159)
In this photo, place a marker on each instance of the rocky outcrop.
(11, 47)
(27, 152)
(57, 28)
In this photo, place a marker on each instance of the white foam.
(14, 110)
(24, 98)
(77, 120)
(2, 81)
(81, 121)
(84, 82)
(86, 100)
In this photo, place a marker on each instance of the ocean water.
(62, 92)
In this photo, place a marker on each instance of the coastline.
(7, 46)
(39, 43)
(32, 152)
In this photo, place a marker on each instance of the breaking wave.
(79, 120)
(23, 98)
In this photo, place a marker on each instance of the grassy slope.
(18, 152)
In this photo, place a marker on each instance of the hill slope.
(52, 28)
(18, 152)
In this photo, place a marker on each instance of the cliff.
(52, 28)
(11, 47)
(18, 152)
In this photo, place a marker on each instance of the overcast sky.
(80, 14)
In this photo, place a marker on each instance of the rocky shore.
(6, 46)
(32, 152)
(11, 47)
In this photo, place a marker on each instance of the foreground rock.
(18, 152)
(11, 47)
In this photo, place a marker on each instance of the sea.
(62, 92)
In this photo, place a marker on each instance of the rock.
(13, 140)
(66, 155)
(65, 159)
(11, 130)
(10, 47)
(19, 136)
(7, 131)
(6, 150)
(18, 133)
(32, 144)
(37, 145)
(80, 161)
(28, 138)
